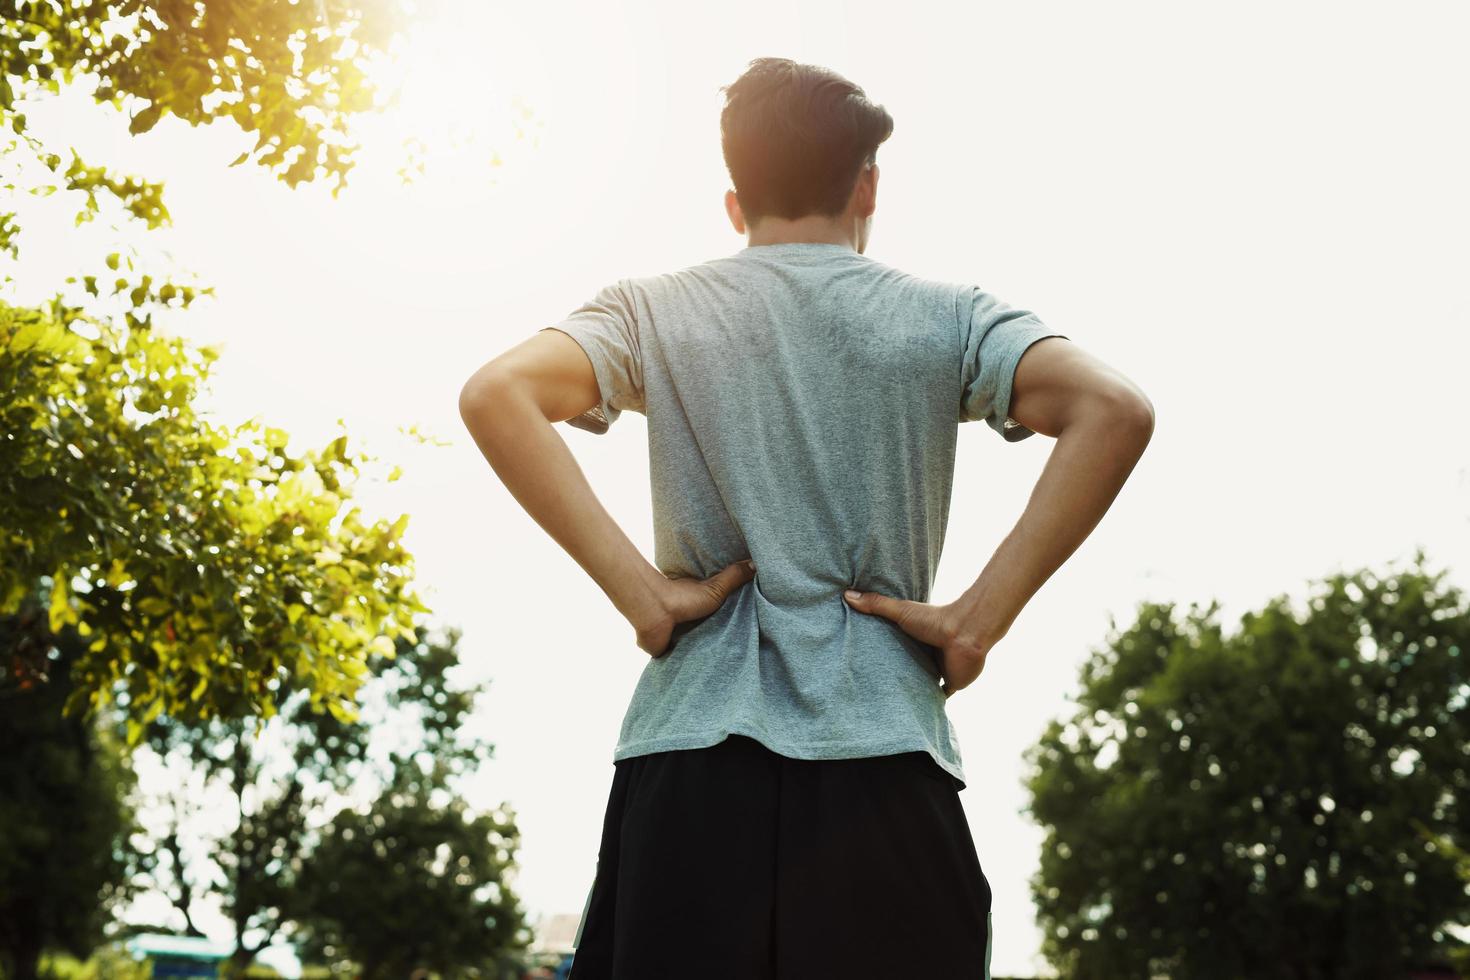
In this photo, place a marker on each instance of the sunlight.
(462, 96)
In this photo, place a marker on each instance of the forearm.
(1088, 466)
(534, 462)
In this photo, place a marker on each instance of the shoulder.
(939, 296)
(928, 284)
(673, 280)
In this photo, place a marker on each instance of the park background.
(1257, 213)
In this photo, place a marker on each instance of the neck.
(778, 231)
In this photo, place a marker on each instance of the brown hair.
(795, 137)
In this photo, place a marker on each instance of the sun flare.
(460, 95)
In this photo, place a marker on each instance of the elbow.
(1140, 412)
(1135, 413)
(477, 394)
(1120, 410)
(471, 396)
(469, 399)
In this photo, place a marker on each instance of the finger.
(728, 579)
(877, 604)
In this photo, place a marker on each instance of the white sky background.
(1258, 214)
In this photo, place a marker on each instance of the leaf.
(240, 159)
(341, 712)
(60, 611)
(144, 120)
(28, 335)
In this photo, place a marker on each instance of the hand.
(961, 654)
(681, 600)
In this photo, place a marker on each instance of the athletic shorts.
(733, 862)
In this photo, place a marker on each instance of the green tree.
(1459, 955)
(208, 565)
(299, 775)
(209, 568)
(412, 883)
(1230, 806)
(64, 816)
(291, 73)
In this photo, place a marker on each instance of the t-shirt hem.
(834, 749)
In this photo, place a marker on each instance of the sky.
(1257, 213)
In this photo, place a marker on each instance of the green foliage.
(294, 780)
(412, 883)
(64, 853)
(211, 569)
(1459, 956)
(1229, 806)
(292, 73)
(109, 962)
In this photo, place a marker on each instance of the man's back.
(802, 403)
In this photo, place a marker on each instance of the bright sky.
(1257, 214)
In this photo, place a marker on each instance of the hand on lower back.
(683, 600)
(960, 660)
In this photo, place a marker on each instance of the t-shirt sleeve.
(606, 328)
(995, 336)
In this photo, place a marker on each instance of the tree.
(412, 884)
(292, 73)
(64, 863)
(302, 773)
(1228, 806)
(1459, 957)
(208, 567)
(112, 486)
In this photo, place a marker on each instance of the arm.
(510, 406)
(1102, 423)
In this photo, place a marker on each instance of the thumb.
(875, 603)
(730, 578)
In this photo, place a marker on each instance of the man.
(785, 798)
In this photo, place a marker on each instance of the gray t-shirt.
(802, 402)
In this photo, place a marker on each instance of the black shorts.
(735, 863)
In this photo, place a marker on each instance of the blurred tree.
(292, 73)
(64, 819)
(412, 884)
(111, 961)
(303, 772)
(209, 569)
(1460, 955)
(1223, 807)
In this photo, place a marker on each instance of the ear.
(732, 208)
(868, 191)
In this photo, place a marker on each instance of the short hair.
(795, 138)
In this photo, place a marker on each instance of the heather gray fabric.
(802, 402)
